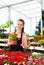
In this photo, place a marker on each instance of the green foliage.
(13, 36)
(35, 55)
(27, 35)
(5, 61)
(3, 35)
(7, 24)
(4, 26)
(41, 42)
(39, 28)
(37, 33)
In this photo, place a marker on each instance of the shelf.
(36, 48)
(3, 39)
(1, 44)
(2, 30)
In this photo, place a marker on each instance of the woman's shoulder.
(24, 33)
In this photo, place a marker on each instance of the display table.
(30, 48)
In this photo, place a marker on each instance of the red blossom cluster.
(18, 56)
(14, 56)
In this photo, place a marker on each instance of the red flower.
(2, 51)
(1, 59)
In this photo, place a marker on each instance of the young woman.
(22, 38)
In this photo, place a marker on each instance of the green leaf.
(5, 61)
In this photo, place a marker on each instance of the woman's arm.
(24, 41)
(8, 44)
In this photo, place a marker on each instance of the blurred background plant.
(41, 42)
(7, 24)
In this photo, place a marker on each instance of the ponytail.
(22, 29)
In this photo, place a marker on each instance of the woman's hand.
(12, 43)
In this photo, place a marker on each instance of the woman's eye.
(20, 24)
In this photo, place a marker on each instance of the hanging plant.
(7, 24)
(4, 26)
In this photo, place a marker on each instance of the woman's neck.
(19, 31)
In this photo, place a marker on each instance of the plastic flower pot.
(13, 38)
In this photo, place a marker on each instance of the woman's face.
(20, 25)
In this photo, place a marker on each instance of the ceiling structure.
(31, 9)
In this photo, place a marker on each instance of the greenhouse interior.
(21, 32)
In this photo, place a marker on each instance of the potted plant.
(13, 37)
